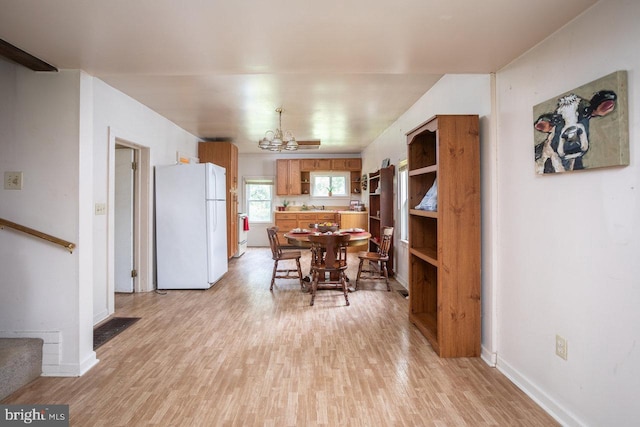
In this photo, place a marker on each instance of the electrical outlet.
(13, 180)
(561, 347)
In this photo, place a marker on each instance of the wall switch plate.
(101, 208)
(13, 180)
(561, 347)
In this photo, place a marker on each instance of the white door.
(123, 218)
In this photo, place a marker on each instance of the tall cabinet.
(381, 208)
(444, 245)
(225, 154)
(288, 177)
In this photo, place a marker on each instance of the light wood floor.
(239, 355)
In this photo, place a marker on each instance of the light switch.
(13, 180)
(101, 208)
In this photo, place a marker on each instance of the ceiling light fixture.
(277, 140)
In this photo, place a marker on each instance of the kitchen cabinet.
(225, 154)
(315, 164)
(288, 177)
(285, 221)
(348, 164)
(288, 220)
(356, 184)
(349, 219)
(305, 182)
(326, 217)
(444, 245)
(293, 176)
(304, 219)
(342, 164)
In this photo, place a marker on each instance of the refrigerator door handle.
(214, 221)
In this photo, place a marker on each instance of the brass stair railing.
(67, 245)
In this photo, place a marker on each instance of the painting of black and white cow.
(567, 134)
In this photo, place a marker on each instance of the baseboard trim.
(546, 402)
(99, 317)
(490, 358)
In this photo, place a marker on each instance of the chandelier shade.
(276, 140)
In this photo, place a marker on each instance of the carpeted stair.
(20, 363)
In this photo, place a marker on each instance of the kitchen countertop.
(323, 211)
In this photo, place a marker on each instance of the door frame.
(142, 221)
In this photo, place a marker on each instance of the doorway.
(136, 253)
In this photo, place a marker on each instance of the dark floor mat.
(403, 292)
(110, 329)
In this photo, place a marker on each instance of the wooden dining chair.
(329, 255)
(279, 255)
(376, 261)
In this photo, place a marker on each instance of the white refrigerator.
(191, 225)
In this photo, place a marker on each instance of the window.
(259, 193)
(403, 199)
(336, 183)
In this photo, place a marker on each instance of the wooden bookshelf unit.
(444, 245)
(381, 209)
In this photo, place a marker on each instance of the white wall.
(569, 243)
(116, 114)
(56, 129)
(452, 94)
(42, 291)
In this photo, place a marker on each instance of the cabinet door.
(305, 219)
(307, 165)
(354, 220)
(339, 164)
(282, 177)
(353, 164)
(295, 186)
(284, 227)
(288, 177)
(323, 164)
(346, 164)
(285, 223)
(326, 217)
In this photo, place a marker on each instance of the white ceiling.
(342, 70)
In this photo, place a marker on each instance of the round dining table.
(301, 238)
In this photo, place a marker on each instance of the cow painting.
(584, 128)
(567, 131)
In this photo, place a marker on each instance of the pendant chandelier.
(277, 140)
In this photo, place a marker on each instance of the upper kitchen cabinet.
(315, 164)
(225, 154)
(288, 177)
(350, 164)
(346, 164)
